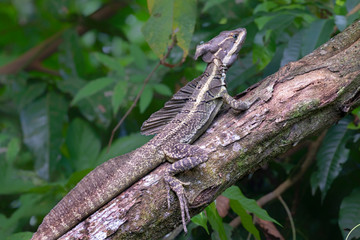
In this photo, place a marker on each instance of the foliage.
(349, 213)
(331, 155)
(57, 112)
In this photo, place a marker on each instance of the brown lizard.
(178, 124)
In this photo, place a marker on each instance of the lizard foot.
(188, 156)
(168, 187)
(177, 186)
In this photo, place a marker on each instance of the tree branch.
(298, 101)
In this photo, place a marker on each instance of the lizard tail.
(94, 190)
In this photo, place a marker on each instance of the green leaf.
(91, 88)
(83, 145)
(318, 33)
(246, 219)
(71, 85)
(139, 56)
(330, 157)
(201, 220)
(158, 28)
(211, 3)
(291, 7)
(20, 236)
(341, 22)
(250, 205)
(293, 49)
(31, 92)
(28, 205)
(14, 181)
(89, 107)
(137, 78)
(71, 55)
(184, 23)
(119, 94)
(262, 21)
(216, 221)
(264, 7)
(4, 138)
(261, 56)
(356, 111)
(145, 98)
(350, 4)
(26, 9)
(162, 89)
(13, 149)
(352, 124)
(111, 63)
(121, 146)
(42, 123)
(349, 215)
(168, 16)
(274, 22)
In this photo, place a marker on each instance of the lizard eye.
(235, 36)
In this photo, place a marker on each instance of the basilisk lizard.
(178, 124)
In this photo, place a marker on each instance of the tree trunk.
(301, 99)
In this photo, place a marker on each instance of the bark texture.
(301, 99)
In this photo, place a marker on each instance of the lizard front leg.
(189, 157)
(237, 105)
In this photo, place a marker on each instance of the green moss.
(341, 90)
(303, 108)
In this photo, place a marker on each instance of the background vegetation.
(82, 72)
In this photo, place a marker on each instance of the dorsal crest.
(159, 119)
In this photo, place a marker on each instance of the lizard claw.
(168, 194)
(185, 216)
(177, 186)
(184, 183)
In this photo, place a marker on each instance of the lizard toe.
(185, 216)
(177, 186)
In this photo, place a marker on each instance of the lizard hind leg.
(189, 157)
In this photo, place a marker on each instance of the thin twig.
(173, 65)
(161, 62)
(290, 217)
(354, 10)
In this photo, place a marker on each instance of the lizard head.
(223, 47)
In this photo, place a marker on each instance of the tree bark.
(298, 101)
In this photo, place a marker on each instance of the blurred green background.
(69, 71)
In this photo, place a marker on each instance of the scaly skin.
(172, 143)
